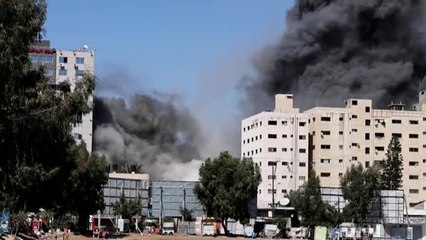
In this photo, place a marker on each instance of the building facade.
(134, 186)
(168, 197)
(67, 66)
(358, 133)
(284, 143)
(277, 142)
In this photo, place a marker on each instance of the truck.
(168, 228)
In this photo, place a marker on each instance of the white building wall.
(69, 70)
(358, 133)
(284, 143)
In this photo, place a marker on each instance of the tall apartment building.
(358, 133)
(277, 142)
(66, 66)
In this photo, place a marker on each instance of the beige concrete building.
(277, 141)
(357, 133)
(67, 66)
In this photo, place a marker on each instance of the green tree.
(187, 214)
(359, 186)
(309, 205)
(391, 177)
(41, 164)
(226, 187)
(126, 208)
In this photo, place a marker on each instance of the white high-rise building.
(357, 133)
(277, 142)
(67, 66)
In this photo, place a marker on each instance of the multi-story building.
(66, 66)
(134, 186)
(277, 141)
(358, 133)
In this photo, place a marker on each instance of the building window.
(413, 177)
(284, 163)
(79, 72)
(325, 119)
(49, 72)
(283, 191)
(367, 164)
(340, 174)
(414, 122)
(270, 191)
(413, 163)
(413, 135)
(340, 118)
(340, 160)
(325, 132)
(396, 121)
(302, 164)
(302, 137)
(354, 144)
(77, 136)
(367, 122)
(367, 109)
(33, 58)
(325, 174)
(367, 136)
(302, 150)
(354, 102)
(340, 132)
(354, 116)
(272, 135)
(260, 149)
(367, 150)
(354, 130)
(413, 149)
(354, 158)
(302, 124)
(284, 123)
(325, 146)
(62, 72)
(397, 135)
(274, 123)
(63, 60)
(415, 191)
(284, 177)
(284, 149)
(327, 161)
(340, 147)
(272, 163)
(79, 60)
(379, 135)
(380, 148)
(271, 149)
(284, 135)
(272, 176)
(302, 178)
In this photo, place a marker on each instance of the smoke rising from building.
(336, 49)
(153, 131)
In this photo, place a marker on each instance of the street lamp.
(273, 164)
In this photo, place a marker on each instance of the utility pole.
(161, 207)
(274, 170)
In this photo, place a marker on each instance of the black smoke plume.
(153, 131)
(336, 49)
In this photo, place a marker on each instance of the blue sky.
(167, 45)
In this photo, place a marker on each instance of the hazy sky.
(175, 46)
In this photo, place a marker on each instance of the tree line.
(360, 186)
(41, 165)
(228, 184)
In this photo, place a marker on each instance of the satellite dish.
(284, 202)
(85, 47)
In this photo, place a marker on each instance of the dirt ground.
(156, 237)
